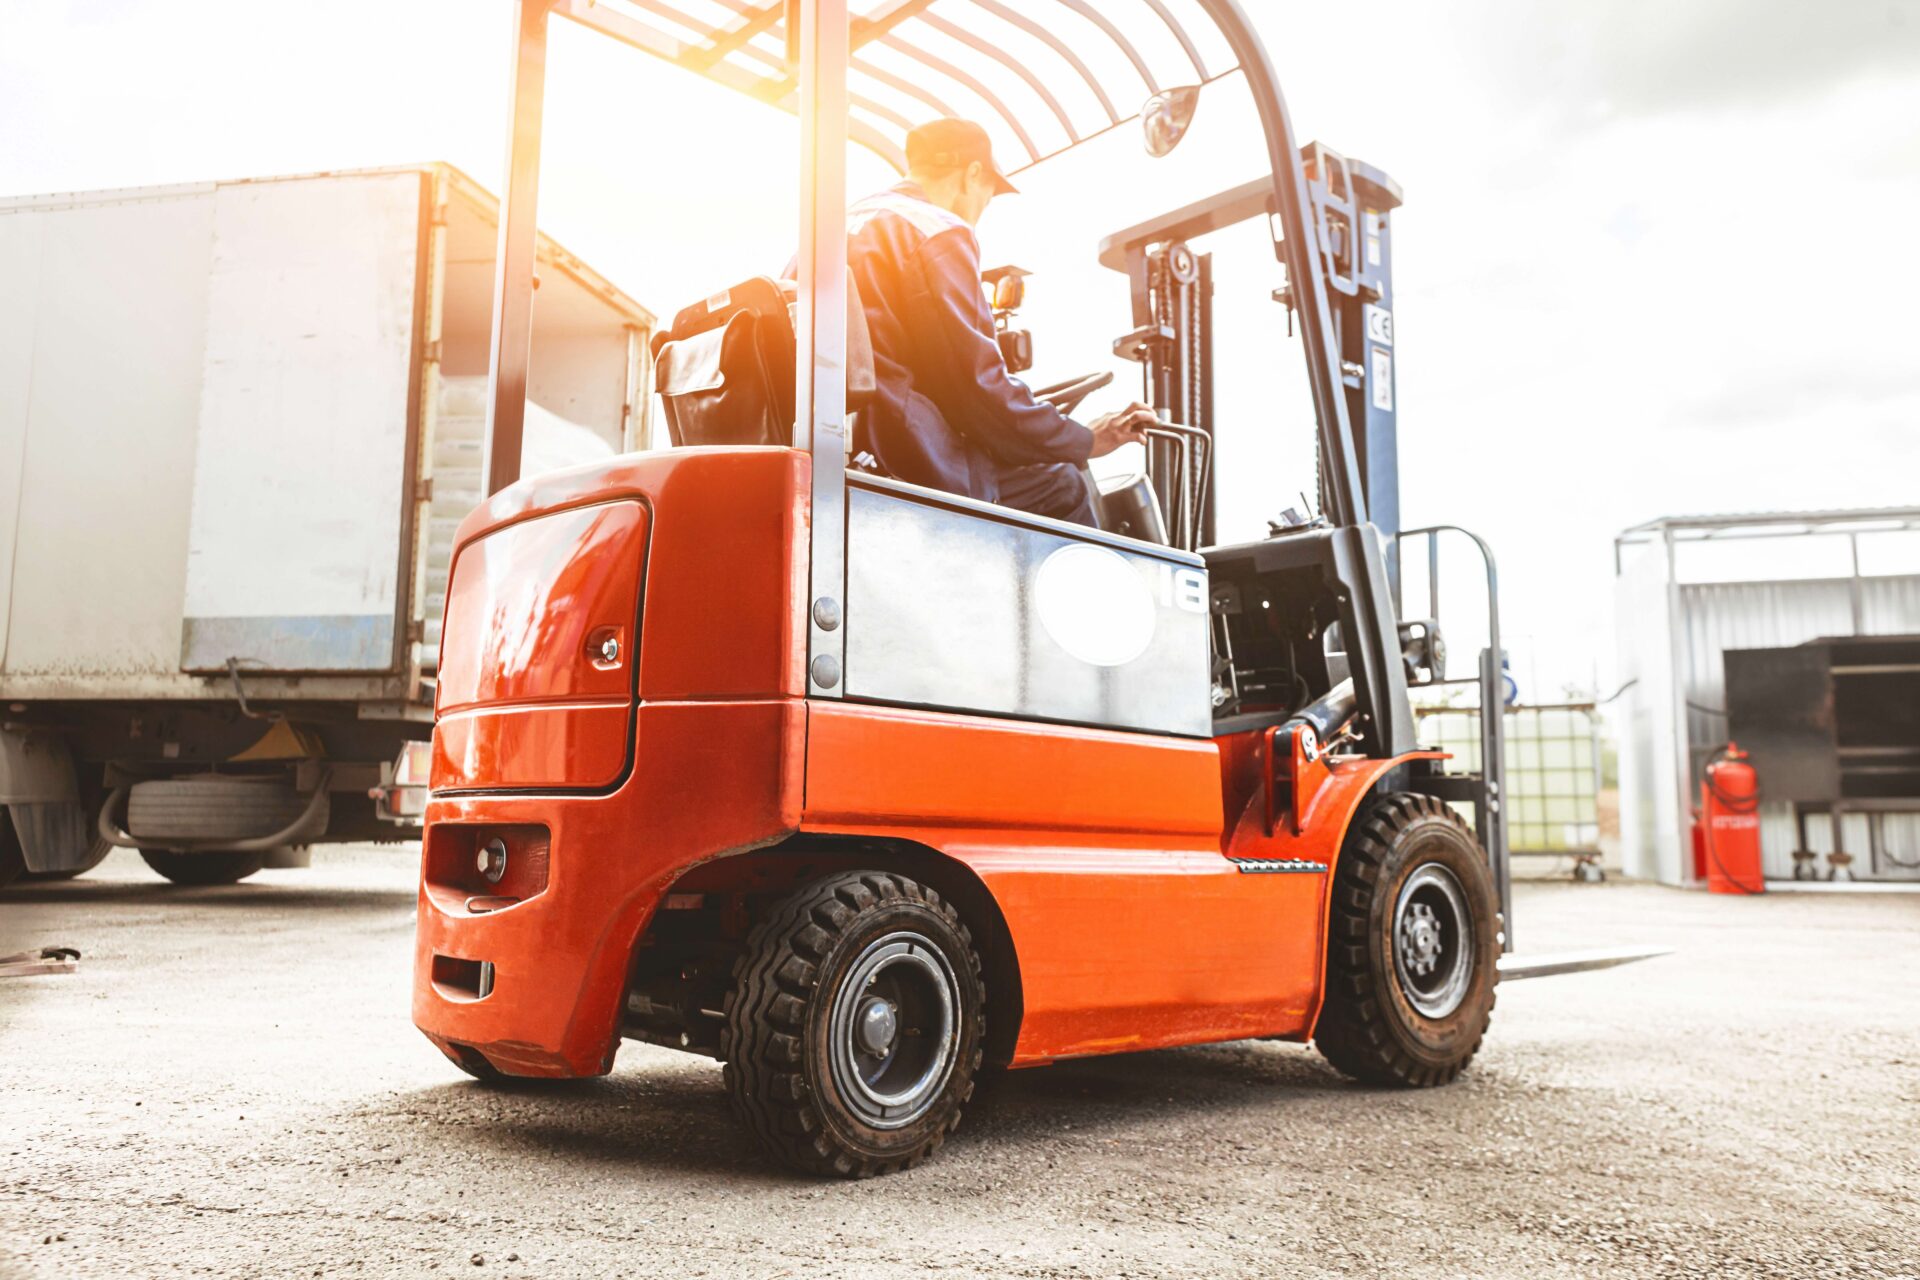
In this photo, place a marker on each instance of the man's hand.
(1111, 430)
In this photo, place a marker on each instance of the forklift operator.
(946, 412)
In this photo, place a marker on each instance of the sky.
(1655, 257)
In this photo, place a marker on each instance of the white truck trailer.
(239, 422)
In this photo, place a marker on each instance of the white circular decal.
(1095, 605)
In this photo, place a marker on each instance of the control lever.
(1066, 396)
(1194, 454)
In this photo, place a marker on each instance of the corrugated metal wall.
(1719, 616)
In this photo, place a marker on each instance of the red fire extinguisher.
(1728, 828)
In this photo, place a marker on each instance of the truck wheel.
(203, 868)
(13, 862)
(854, 1025)
(95, 856)
(212, 807)
(1412, 946)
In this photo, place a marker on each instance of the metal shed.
(1673, 624)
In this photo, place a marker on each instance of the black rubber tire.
(95, 856)
(203, 868)
(774, 1039)
(212, 807)
(1368, 1029)
(13, 862)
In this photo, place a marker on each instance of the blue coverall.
(946, 413)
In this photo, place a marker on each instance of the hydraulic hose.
(1330, 714)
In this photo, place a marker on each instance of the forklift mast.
(1338, 268)
(1353, 204)
(1172, 287)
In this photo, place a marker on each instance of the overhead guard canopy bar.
(945, 55)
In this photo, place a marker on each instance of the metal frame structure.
(1664, 537)
(1485, 790)
(1673, 532)
(818, 73)
(753, 47)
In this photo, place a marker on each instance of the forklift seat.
(725, 367)
(725, 373)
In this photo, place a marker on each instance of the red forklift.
(746, 749)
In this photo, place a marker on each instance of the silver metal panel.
(301, 471)
(302, 642)
(1899, 842)
(970, 607)
(1643, 723)
(1890, 606)
(101, 338)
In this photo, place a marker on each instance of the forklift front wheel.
(853, 1030)
(1412, 948)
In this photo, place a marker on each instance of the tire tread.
(1354, 1033)
(763, 1037)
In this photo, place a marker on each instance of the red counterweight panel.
(536, 660)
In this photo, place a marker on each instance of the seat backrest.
(725, 368)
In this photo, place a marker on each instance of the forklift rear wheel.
(853, 1029)
(1412, 948)
(475, 1064)
(470, 1061)
(203, 868)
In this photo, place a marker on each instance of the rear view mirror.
(1164, 120)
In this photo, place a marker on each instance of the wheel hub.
(1420, 939)
(893, 1032)
(1433, 941)
(875, 1026)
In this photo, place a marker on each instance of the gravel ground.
(230, 1086)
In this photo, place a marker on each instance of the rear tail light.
(403, 800)
(483, 868)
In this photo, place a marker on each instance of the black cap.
(939, 145)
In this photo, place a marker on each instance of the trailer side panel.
(100, 349)
(298, 487)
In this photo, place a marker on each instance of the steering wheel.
(1065, 396)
